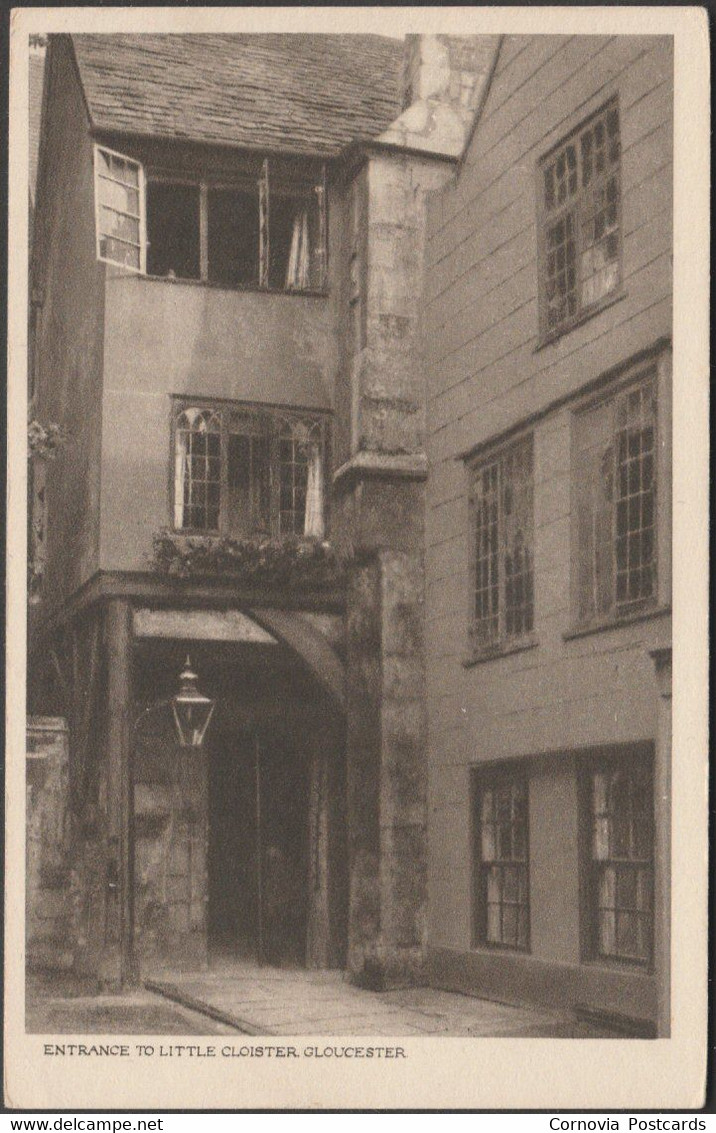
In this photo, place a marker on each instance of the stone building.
(225, 280)
(363, 350)
(548, 328)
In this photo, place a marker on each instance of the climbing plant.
(291, 563)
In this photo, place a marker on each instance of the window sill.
(555, 335)
(213, 538)
(502, 649)
(616, 623)
(618, 964)
(240, 287)
(501, 949)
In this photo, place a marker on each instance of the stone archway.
(277, 678)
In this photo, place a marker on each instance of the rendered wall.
(165, 338)
(487, 372)
(70, 329)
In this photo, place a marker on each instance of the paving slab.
(242, 998)
(296, 1002)
(135, 1014)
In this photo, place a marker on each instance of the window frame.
(283, 186)
(643, 756)
(501, 642)
(141, 190)
(484, 779)
(223, 407)
(583, 311)
(649, 371)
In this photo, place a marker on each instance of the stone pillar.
(363, 770)
(662, 842)
(49, 931)
(118, 962)
(386, 737)
(170, 847)
(325, 930)
(378, 521)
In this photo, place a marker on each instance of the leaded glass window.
(580, 208)
(616, 497)
(249, 471)
(502, 511)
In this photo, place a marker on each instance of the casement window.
(615, 573)
(119, 210)
(502, 599)
(580, 222)
(501, 912)
(620, 861)
(248, 471)
(260, 230)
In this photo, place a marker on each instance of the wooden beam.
(148, 587)
(65, 690)
(86, 707)
(310, 645)
(199, 625)
(119, 785)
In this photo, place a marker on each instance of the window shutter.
(120, 212)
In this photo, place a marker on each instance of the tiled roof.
(37, 71)
(298, 93)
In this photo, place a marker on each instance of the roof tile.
(294, 92)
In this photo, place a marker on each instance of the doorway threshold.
(179, 995)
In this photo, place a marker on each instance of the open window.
(120, 210)
(173, 230)
(254, 231)
(296, 239)
(233, 235)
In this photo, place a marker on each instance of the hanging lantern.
(192, 711)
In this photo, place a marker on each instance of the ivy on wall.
(290, 563)
(44, 440)
(43, 443)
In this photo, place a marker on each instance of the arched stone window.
(301, 478)
(197, 470)
(249, 472)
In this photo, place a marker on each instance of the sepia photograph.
(349, 538)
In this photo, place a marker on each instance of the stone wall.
(48, 924)
(170, 852)
(378, 519)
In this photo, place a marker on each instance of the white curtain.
(180, 461)
(313, 526)
(297, 273)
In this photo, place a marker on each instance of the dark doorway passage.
(198, 881)
(258, 835)
(233, 904)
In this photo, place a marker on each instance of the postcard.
(358, 480)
